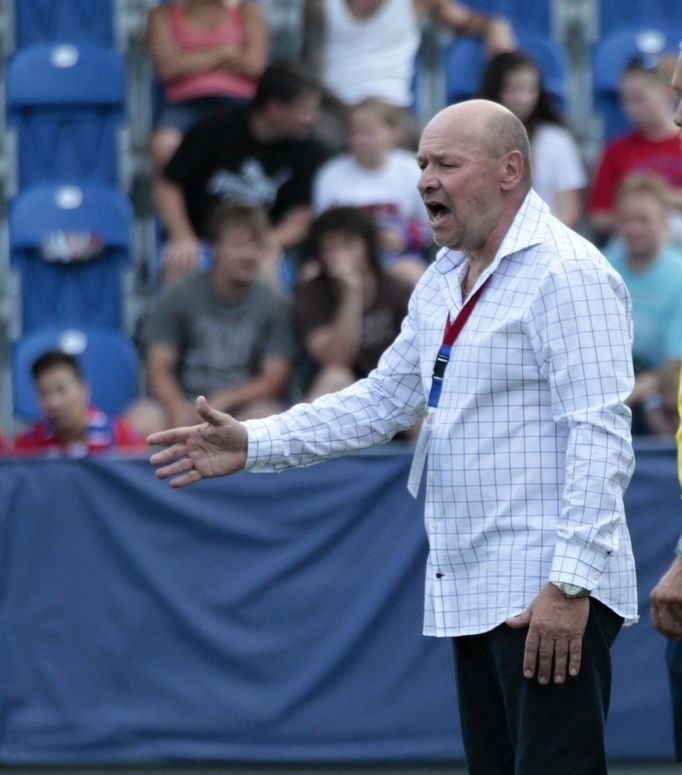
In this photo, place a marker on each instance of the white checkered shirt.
(531, 449)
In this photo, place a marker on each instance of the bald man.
(516, 352)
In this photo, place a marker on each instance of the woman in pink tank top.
(207, 54)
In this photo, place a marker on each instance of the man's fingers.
(171, 436)
(207, 412)
(188, 478)
(667, 621)
(561, 660)
(530, 654)
(520, 620)
(178, 467)
(168, 455)
(551, 659)
(575, 656)
(545, 659)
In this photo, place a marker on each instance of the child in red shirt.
(72, 427)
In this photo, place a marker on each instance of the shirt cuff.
(578, 564)
(264, 444)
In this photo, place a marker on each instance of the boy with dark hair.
(72, 426)
(261, 154)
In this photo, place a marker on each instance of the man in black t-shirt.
(261, 155)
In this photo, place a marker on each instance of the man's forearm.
(293, 228)
(166, 390)
(170, 203)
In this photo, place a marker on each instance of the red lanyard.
(452, 331)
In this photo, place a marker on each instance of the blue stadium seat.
(612, 52)
(43, 21)
(108, 359)
(614, 14)
(66, 102)
(523, 14)
(464, 64)
(70, 244)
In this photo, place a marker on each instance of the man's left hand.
(556, 625)
(666, 602)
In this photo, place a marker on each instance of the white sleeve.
(556, 150)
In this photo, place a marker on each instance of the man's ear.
(512, 169)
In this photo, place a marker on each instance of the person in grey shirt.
(222, 332)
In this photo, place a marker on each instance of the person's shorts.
(181, 115)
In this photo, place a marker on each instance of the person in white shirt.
(382, 179)
(367, 48)
(513, 79)
(527, 434)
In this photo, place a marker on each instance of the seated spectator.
(261, 155)
(383, 180)
(367, 48)
(208, 55)
(222, 333)
(653, 147)
(513, 79)
(72, 427)
(350, 312)
(652, 270)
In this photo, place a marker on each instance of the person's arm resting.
(270, 382)
(494, 30)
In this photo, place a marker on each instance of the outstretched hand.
(555, 635)
(216, 447)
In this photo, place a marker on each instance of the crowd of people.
(298, 286)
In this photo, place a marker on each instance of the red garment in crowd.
(104, 434)
(632, 154)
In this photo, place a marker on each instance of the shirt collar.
(528, 228)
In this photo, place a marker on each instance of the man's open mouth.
(436, 210)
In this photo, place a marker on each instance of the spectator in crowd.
(652, 270)
(382, 179)
(367, 48)
(350, 312)
(514, 80)
(261, 154)
(222, 332)
(652, 147)
(72, 426)
(208, 54)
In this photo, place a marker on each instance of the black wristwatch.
(570, 590)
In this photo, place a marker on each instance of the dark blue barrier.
(271, 618)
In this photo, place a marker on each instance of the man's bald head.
(475, 174)
(490, 124)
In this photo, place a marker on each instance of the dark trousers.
(674, 657)
(514, 726)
